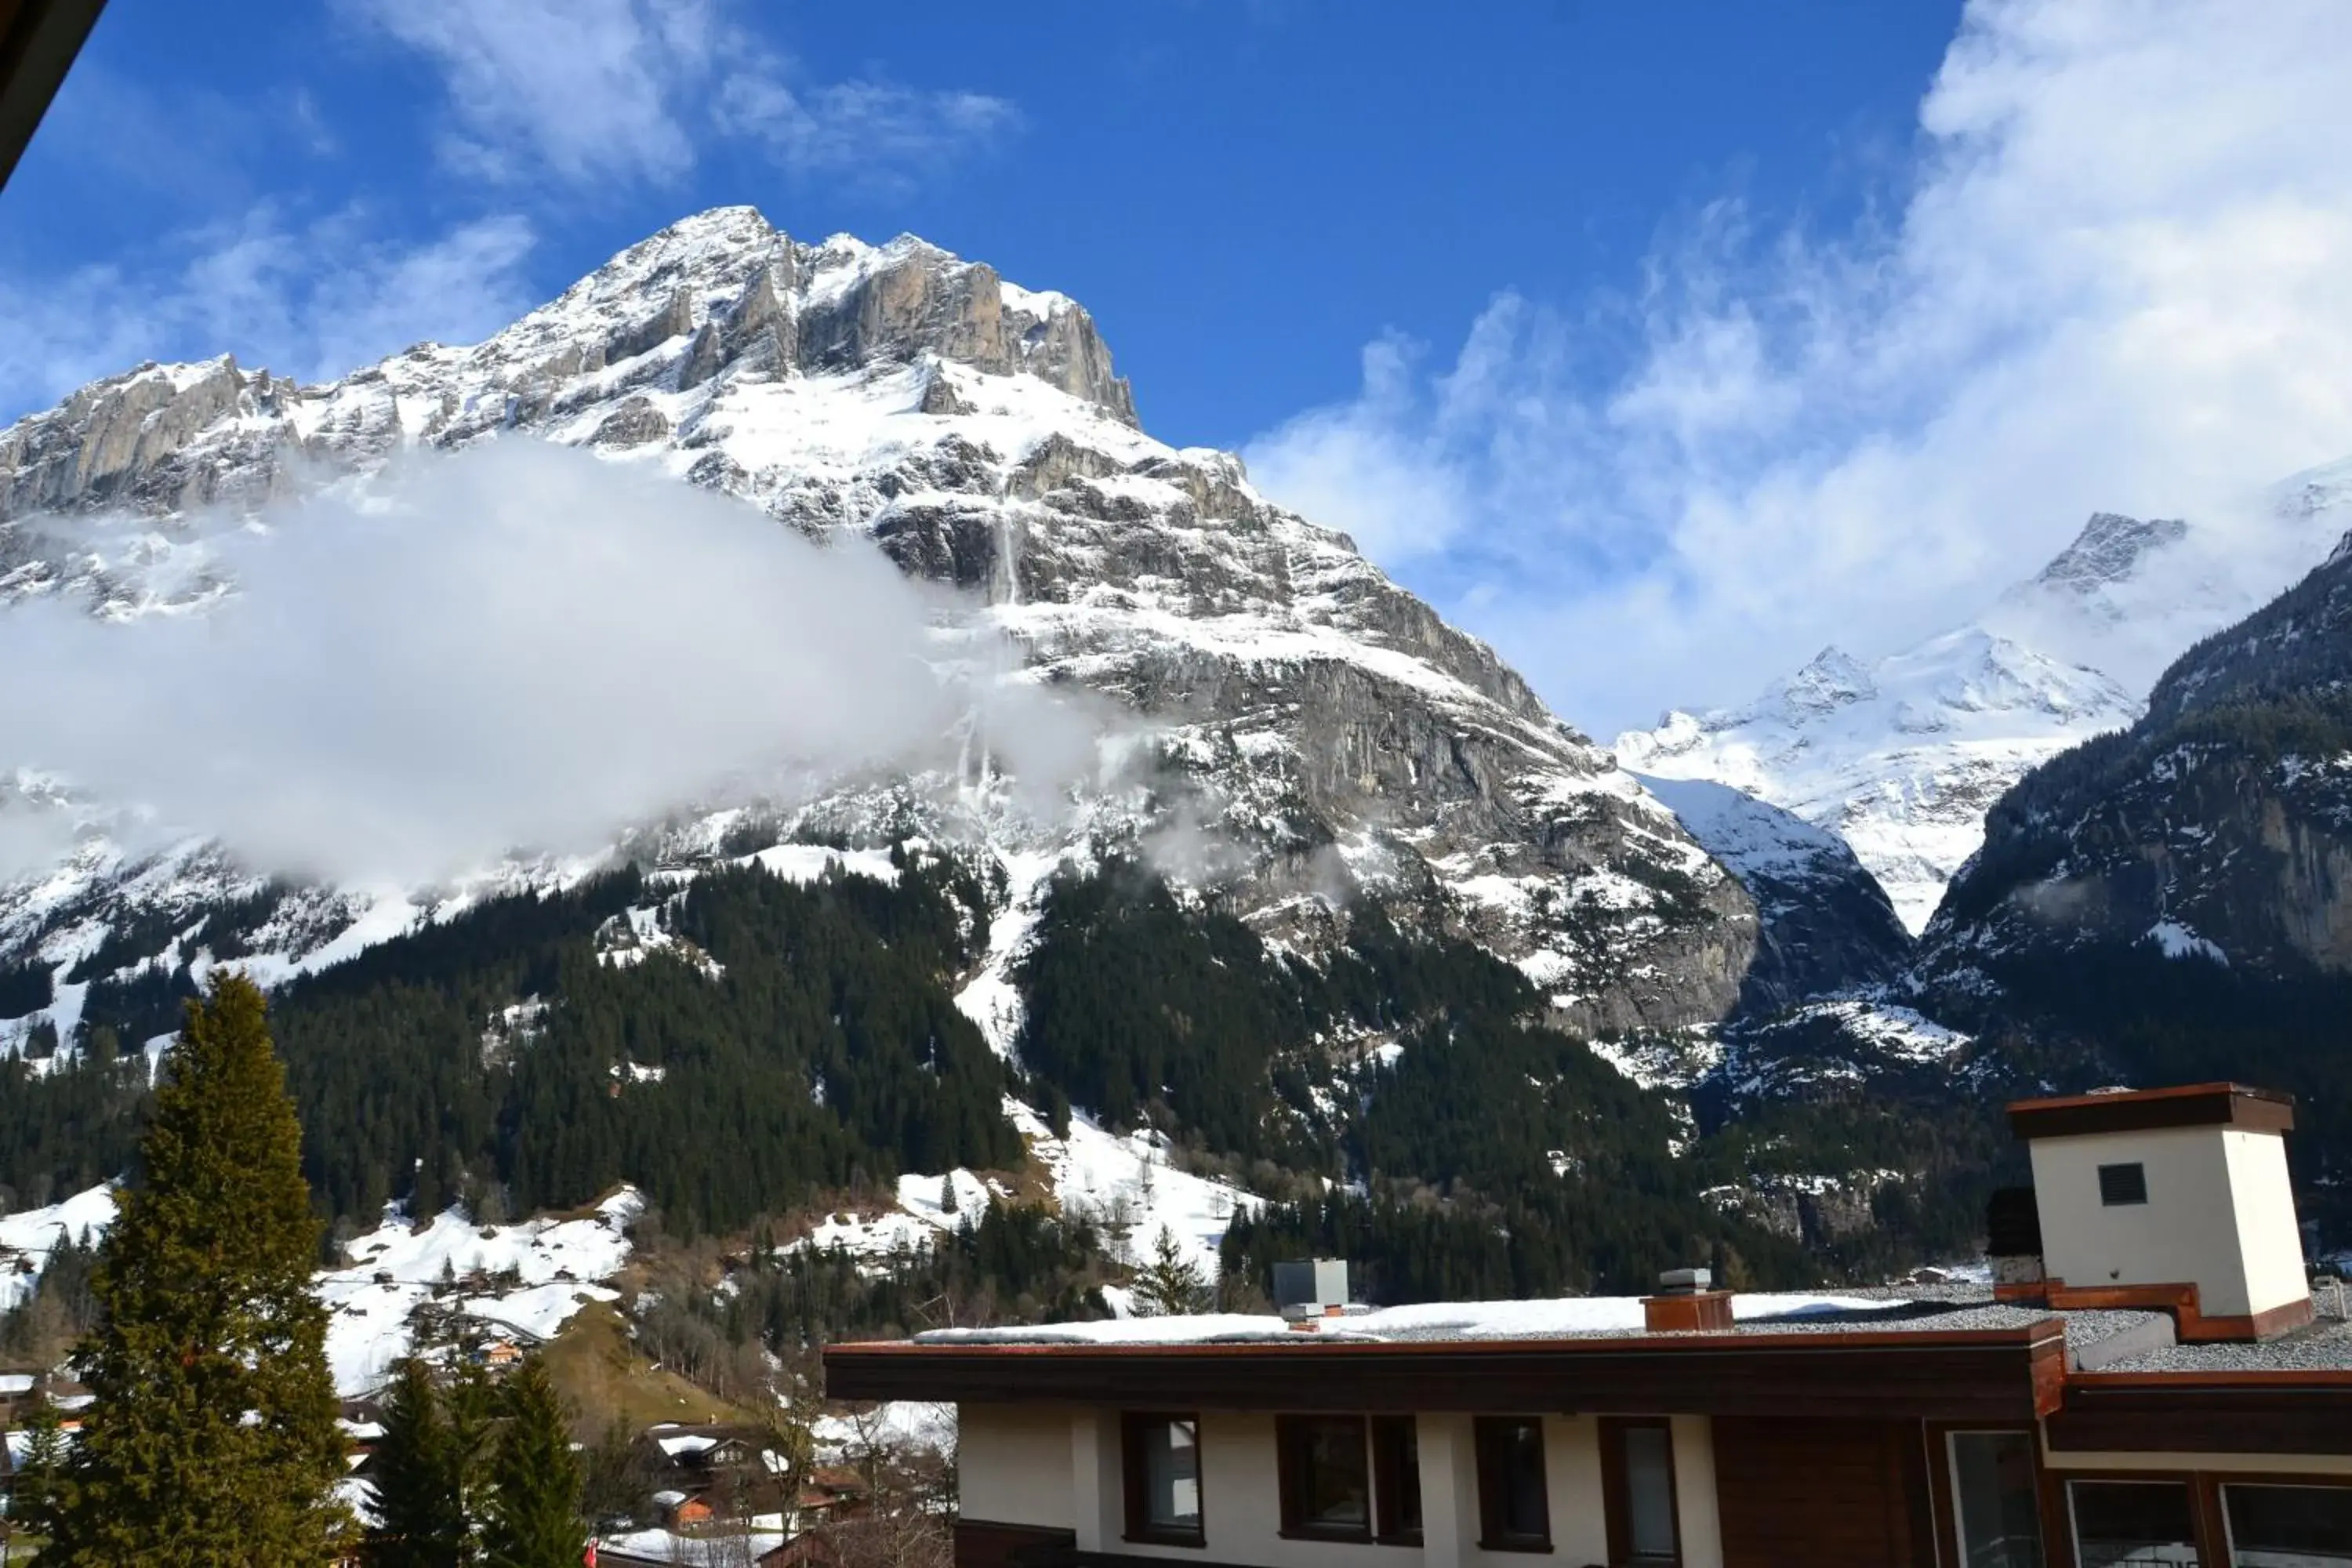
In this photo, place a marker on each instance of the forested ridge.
(743, 1048)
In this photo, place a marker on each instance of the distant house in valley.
(705, 1474)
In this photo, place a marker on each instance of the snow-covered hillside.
(1291, 727)
(1124, 1186)
(1903, 755)
(524, 1280)
(528, 1280)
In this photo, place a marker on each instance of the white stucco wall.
(1012, 1465)
(1695, 1499)
(2268, 1232)
(2220, 1215)
(1062, 1469)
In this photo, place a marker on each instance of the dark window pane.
(1650, 1493)
(2289, 1526)
(2120, 1185)
(1396, 1454)
(1327, 1479)
(1172, 1475)
(2001, 1516)
(1511, 1468)
(2133, 1524)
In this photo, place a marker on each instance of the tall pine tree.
(532, 1519)
(211, 1440)
(1169, 1285)
(420, 1479)
(32, 1494)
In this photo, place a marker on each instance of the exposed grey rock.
(1327, 731)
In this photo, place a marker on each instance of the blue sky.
(1659, 344)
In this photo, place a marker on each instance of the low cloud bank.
(516, 645)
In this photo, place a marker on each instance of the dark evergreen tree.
(1169, 1285)
(33, 1493)
(211, 1440)
(533, 1516)
(420, 1475)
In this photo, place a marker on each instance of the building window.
(1513, 1511)
(1327, 1479)
(1162, 1455)
(1997, 1504)
(1637, 1475)
(2306, 1526)
(1396, 1477)
(2121, 1185)
(2133, 1524)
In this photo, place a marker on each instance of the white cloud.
(584, 90)
(513, 646)
(2116, 281)
(312, 300)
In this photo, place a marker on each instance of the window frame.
(2212, 1551)
(1617, 1499)
(1942, 1489)
(2213, 1509)
(1136, 1474)
(1486, 1442)
(1388, 1470)
(1290, 1478)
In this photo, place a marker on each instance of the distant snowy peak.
(1899, 758)
(1903, 755)
(2110, 548)
(2316, 492)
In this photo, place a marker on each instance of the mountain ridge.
(1327, 729)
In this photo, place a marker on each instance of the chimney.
(2013, 1237)
(2171, 1198)
(1307, 1290)
(1685, 1304)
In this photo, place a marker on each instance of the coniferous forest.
(783, 1043)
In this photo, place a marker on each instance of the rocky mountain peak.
(2109, 549)
(1833, 680)
(1280, 695)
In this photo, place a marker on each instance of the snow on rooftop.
(1563, 1318)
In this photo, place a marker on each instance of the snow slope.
(1123, 1185)
(527, 1278)
(1902, 755)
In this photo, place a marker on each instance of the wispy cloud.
(2114, 280)
(314, 299)
(589, 90)
(600, 647)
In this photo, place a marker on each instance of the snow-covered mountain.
(1903, 755)
(1320, 730)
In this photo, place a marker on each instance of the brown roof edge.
(2009, 1373)
(1582, 1344)
(39, 41)
(2143, 1110)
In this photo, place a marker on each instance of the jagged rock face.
(2218, 828)
(1325, 732)
(2108, 550)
